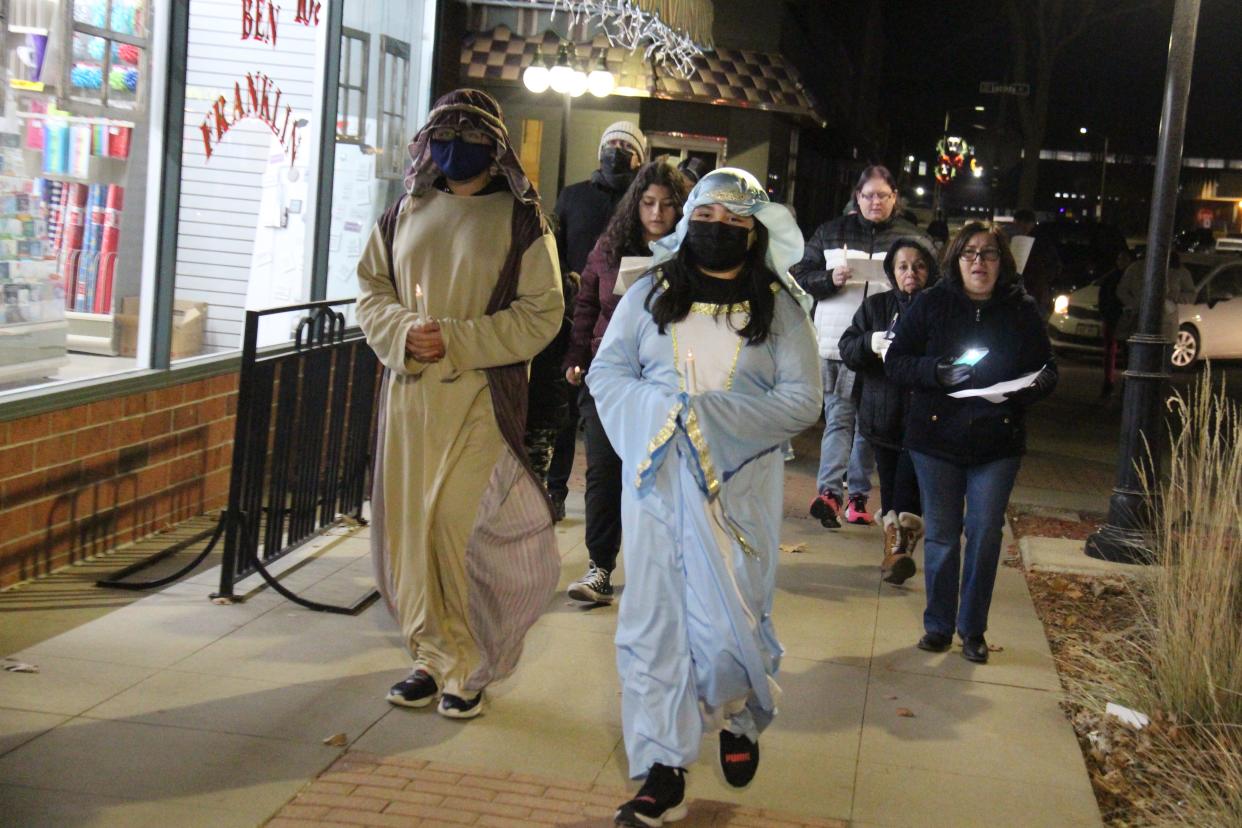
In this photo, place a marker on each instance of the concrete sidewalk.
(175, 711)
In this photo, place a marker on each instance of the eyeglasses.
(875, 196)
(470, 136)
(988, 254)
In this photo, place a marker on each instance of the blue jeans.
(842, 445)
(984, 489)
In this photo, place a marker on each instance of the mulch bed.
(1097, 615)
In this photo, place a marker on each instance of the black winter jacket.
(859, 234)
(881, 402)
(582, 214)
(943, 322)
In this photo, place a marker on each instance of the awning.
(724, 77)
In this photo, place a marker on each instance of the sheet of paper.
(1021, 246)
(996, 393)
(631, 269)
(867, 268)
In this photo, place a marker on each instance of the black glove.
(949, 374)
(1041, 387)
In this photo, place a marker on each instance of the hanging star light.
(672, 32)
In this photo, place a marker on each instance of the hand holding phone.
(971, 356)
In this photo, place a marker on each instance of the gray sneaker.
(595, 587)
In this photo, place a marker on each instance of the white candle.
(692, 380)
(420, 304)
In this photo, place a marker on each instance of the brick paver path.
(363, 789)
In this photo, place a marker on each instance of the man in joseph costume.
(459, 288)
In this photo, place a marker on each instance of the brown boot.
(897, 566)
(912, 528)
(892, 532)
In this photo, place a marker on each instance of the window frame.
(391, 162)
(101, 107)
(344, 87)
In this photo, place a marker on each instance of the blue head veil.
(740, 192)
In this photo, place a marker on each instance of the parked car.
(1211, 327)
(1208, 328)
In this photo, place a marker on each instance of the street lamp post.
(1126, 537)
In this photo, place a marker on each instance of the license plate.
(1088, 329)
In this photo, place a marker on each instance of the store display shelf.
(100, 169)
(77, 119)
(32, 30)
(34, 369)
(27, 328)
(91, 333)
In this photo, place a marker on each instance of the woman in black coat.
(974, 329)
(881, 402)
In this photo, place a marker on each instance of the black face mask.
(716, 245)
(614, 165)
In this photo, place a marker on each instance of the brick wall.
(82, 480)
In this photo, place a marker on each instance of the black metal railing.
(301, 449)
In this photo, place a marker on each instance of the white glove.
(880, 343)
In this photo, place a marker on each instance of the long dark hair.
(624, 234)
(951, 262)
(680, 275)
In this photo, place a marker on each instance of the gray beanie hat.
(628, 132)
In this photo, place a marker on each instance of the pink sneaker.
(826, 507)
(856, 511)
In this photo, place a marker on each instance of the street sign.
(1022, 90)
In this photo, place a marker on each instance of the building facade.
(165, 167)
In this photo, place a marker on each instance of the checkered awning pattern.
(728, 77)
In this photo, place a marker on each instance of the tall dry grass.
(1194, 610)
(1183, 660)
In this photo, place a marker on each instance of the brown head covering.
(467, 109)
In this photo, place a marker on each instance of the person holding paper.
(882, 402)
(462, 539)
(827, 272)
(1040, 267)
(977, 327)
(650, 210)
(701, 448)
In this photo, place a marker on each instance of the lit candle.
(692, 380)
(420, 304)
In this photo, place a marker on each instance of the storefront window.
(389, 49)
(74, 220)
(254, 91)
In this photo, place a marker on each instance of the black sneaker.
(935, 642)
(739, 758)
(595, 587)
(975, 648)
(418, 689)
(558, 510)
(660, 800)
(456, 707)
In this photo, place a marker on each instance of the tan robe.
(452, 505)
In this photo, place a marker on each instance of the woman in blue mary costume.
(708, 368)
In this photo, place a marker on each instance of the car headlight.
(1061, 305)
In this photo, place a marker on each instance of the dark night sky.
(1111, 81)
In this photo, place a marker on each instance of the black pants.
(563, 453)
(899, 486)
(603, 489)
